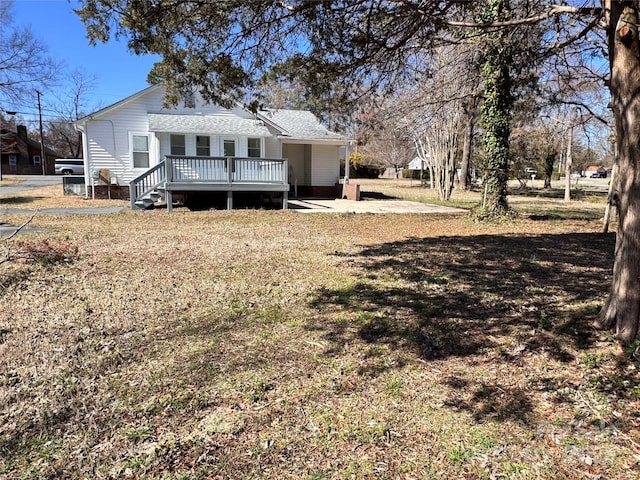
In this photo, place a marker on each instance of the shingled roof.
(207, 124)
(300, 124)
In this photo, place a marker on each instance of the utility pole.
(42, 157)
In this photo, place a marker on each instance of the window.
(203, 146)
(36, 159)
(253, 148)
(178, 145)
(13, 160)
(229, 148)
(140, 151)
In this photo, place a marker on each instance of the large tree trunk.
(549, 162)
(622, 309)
(466, 153)
(495, 112)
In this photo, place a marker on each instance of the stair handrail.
(147, 182)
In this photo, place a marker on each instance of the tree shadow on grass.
(376, 196)
(578, 192)
(449, 296)
(19, 200)
(438, 298)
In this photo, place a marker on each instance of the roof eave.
(326, 141)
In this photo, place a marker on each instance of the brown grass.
(53, 197)
(257, 344)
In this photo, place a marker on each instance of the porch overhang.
(314, 141)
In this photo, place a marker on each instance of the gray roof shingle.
(300, 124)
(207, 124)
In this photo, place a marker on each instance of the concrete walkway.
(7, 230)
(31, 182)
(368, 206)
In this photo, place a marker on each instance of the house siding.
(325, 170)
(108, 140)
(107, 137)
(272, 148)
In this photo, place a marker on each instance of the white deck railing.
(226, 170)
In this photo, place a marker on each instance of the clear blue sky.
(118, 72)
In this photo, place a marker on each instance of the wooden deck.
(210, 174)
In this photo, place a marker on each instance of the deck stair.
(149, 188)
(150, 199)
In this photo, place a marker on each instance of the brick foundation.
(351, 191)
(318, 192)
(118, 192)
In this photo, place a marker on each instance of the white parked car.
(70, 166)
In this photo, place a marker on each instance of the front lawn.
(273, 344)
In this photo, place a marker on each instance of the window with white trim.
(203, 146)
(36, 159)
(13, 160)
(178, 145)
(254, 149)
(140, 151)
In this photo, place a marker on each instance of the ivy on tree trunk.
(495, 111)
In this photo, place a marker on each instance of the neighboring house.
(392, 172)
(138, 149)
(596, 170)
(417, 164)
(22, 156)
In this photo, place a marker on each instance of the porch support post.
(347, 163)
(229, 200)
(285, 200)
(169, 199)
(132, 194)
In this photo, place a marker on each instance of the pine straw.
(256, 344)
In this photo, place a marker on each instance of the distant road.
(31, 182)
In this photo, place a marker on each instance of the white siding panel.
(325, 166)
(272, 148)
(108, 139)
(295, 155)
(164, 139)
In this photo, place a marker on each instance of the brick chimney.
(22, 132)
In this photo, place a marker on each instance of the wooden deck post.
(229, 200)
(285, 200)
(168, 196)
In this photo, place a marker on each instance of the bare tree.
(71, 104)
(24, 63)
(390, 147)
(433, 112)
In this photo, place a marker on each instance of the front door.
(229, 146)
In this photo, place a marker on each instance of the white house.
(140, 150)
(417, 164)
